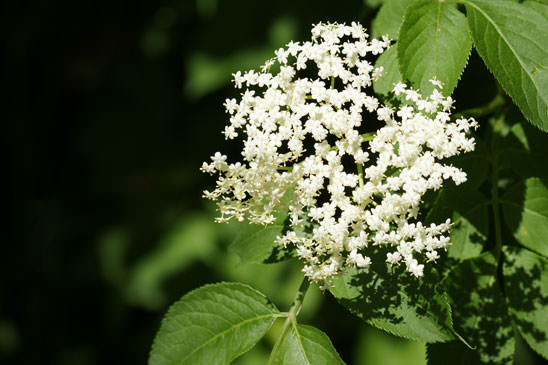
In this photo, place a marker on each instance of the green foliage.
(256, 243)
(307, 345)
(213, 325)
(469, 212)
(526, 285)
(433, 43)
(389, 61)
(390, 17)
(482, 291)
(512, 39)
(480, 312)
(525, 208)
(524, 149)
(388, 298)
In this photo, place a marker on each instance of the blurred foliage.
(111, 108)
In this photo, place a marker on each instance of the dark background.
(110, 107)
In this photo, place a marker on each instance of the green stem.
(494, 183)
(290, 320)
(360, 173)
(484, 110)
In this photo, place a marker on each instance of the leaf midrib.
(224, 332)
(300, 343)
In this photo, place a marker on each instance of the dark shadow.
(390, 296)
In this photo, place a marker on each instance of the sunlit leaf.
(389, 18)
(526, 284)
(212, 325)
(434, 42)
(525, 209)
(391, 75)
(512, 39)
(307, 345)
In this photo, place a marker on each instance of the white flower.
(301, 136)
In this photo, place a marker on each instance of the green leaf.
(512, 40)
(213, 324)
(469, 212)
(389, 18)
(524, 149)
(525, 209)
(307, 345)
(479, 312)
(391, 75)
(539, 5)
(255, 243)
(434, 42)
(526, 284)
(392, 300)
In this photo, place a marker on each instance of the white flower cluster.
(305, 137)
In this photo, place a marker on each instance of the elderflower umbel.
(298, 129)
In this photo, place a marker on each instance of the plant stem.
(494, 183)
(291, 319)
(360, 173)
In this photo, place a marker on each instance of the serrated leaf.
(512, 40)
(526, 284)
(389, 18)
(434, 42)
(213, 324)
(469, 212)
(391, 75)
(307, 345)
(479, 312)
(390, 299)
(525, 209)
